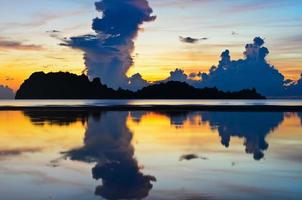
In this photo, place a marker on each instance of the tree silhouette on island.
(65, 85)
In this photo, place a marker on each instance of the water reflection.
(108, 142)
(61, 118)
(252, 126)
(300, 116)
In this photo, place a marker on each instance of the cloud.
(188, 157)
(16, 45)
(191, 40)
(234, 33)
(177, 75)
(251, 72)
(294, 89)
(17, 151)
(53, 31)
(107, 53)
(137, 82)
(233, 75)
(6, 92)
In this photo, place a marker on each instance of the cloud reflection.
(108, 143)
(253, 127)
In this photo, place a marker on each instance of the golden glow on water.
(156, 128)
(18, 132)
(62, 150)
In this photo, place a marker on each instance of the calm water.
(41, 103)
(154, 155)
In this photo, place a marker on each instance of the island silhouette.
(65, 85)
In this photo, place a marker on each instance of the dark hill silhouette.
(182, 90)
(64, 85)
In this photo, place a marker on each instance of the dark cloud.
(189, 157)
(6, 92)
(55, 34)
(191, 40)
(53, 31)
(107, 53)
(16, 45)
(188, 40)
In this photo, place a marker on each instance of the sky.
(28, 42)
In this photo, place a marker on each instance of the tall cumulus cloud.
(107, 53)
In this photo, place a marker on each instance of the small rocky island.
(64, 85)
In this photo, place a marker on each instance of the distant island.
(65, 85)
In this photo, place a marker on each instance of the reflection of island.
(108, 142)
(108, 138)
(55, 117)
(252, 126)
